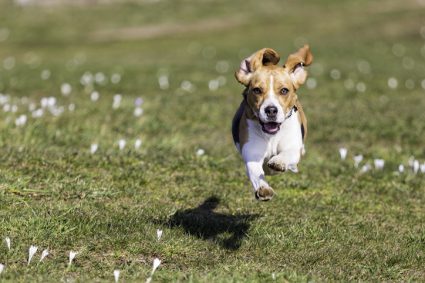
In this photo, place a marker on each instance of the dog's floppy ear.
(263, 57)
(295, 65)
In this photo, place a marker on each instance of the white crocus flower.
(93, 148)
(21, 120)
(7, 239)
(422, 168)
(156, 263)
(357, 160)
(343, 153)
(416, 166)
(187, 86)
(137, 143)
(163, 82)
(37, 113)
(94, 96)
(51, 101)
(87, 79)
(138, 111)
(401, 168)
(392, 83)
(1, 268)
(379, 164)
(117, 101)
(71, 257)
(44, 254)
(158, 234)
(32, 106)
(365, 168)
(213, 85)
(31, 252)
(66, 89)
(100, 78)
(200, 152)
(116, 275)
(121, 144)
(43, 102)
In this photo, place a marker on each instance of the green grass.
(327, 223)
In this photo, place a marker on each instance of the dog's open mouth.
(270, 127)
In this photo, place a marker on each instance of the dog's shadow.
(225, 229)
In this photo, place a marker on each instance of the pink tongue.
(271, 127)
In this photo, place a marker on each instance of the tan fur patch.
(243, 130)
(302, 118)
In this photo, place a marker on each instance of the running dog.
(269, 127)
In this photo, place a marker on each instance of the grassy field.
(330, 222)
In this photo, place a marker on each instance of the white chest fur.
(283, 149)
(265, 146)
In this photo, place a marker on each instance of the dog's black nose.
(271, 111)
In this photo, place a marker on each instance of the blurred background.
(369, 60)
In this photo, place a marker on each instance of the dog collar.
(293, 109)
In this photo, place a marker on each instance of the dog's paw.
(293, 168)
(264, 193)
(276, 164)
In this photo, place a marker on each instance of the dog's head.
(271, 89)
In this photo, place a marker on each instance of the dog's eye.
(256, 90)
(284, 91)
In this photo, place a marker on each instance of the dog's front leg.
(286, 160)
(255, 173)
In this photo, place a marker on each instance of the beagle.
(269, 127)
